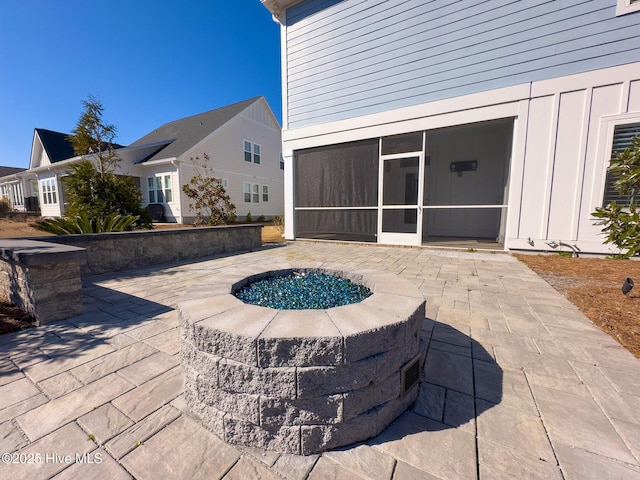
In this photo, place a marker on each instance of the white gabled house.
(242, 141)
(455, 122)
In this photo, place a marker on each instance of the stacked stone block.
(112, 252)
(299, 381)
(42, 278)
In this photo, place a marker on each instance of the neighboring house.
(242, 140)
(12, 189)
(428, 122)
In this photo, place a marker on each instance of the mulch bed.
(14, 319)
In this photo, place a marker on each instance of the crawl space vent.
(410, 375)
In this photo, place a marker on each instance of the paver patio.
(517, 383)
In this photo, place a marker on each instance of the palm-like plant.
(82, 224)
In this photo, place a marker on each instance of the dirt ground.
(592, 284)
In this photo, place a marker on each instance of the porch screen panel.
(352, 225)
(344, 175)
(336, 191)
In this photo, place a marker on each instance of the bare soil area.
(594, 285)
(15, 229)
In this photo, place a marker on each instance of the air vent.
(410, 374)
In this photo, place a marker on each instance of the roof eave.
(159, 161)
(277, 7)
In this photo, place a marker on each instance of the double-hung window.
(251, 192)
(265, 193)
(622, 139)
(49, 191)
(159, 188)
(251, 152)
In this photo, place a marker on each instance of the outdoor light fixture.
(465, 166)
(627, 286)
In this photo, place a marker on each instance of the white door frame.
(399, 238)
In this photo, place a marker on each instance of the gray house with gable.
(241, 140)
(487, 124)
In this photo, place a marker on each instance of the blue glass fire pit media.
(303, 290)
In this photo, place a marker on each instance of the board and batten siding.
(570, 126)
(349, 58)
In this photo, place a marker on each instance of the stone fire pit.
(300, 381)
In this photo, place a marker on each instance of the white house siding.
(226, 151)
(172, 210)
(346, 59)
(50, 209)
(568, 148)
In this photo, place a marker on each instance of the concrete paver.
(47, 456)
(11, 438)
(104, 423)
(182, 450)
(365, 461)
(518, 382)
(579, 421)
(141, 431)
(97, 466)
(52, 415)
(16, 391)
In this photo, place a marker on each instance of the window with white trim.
(49, 190)
(627, 6)
(251, 192)
(159, 188)
(251, 152)
(225, 183)
(622, 137)
(265, 193)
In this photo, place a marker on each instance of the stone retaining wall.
(43, 275)
(299, 381)
(110, 252)
(42, 278)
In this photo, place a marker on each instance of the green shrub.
(261, 219)
(82, 224)
(211, 202)
(621, 224)
(248, 218)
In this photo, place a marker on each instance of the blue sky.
(148, 62)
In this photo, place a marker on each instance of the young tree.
(93, 189)
(620, 223)
(92, 136)
(211, 202)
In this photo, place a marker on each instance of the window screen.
(622, 137)
(344, 175)
(352, 225)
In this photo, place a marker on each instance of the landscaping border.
(42, 275)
